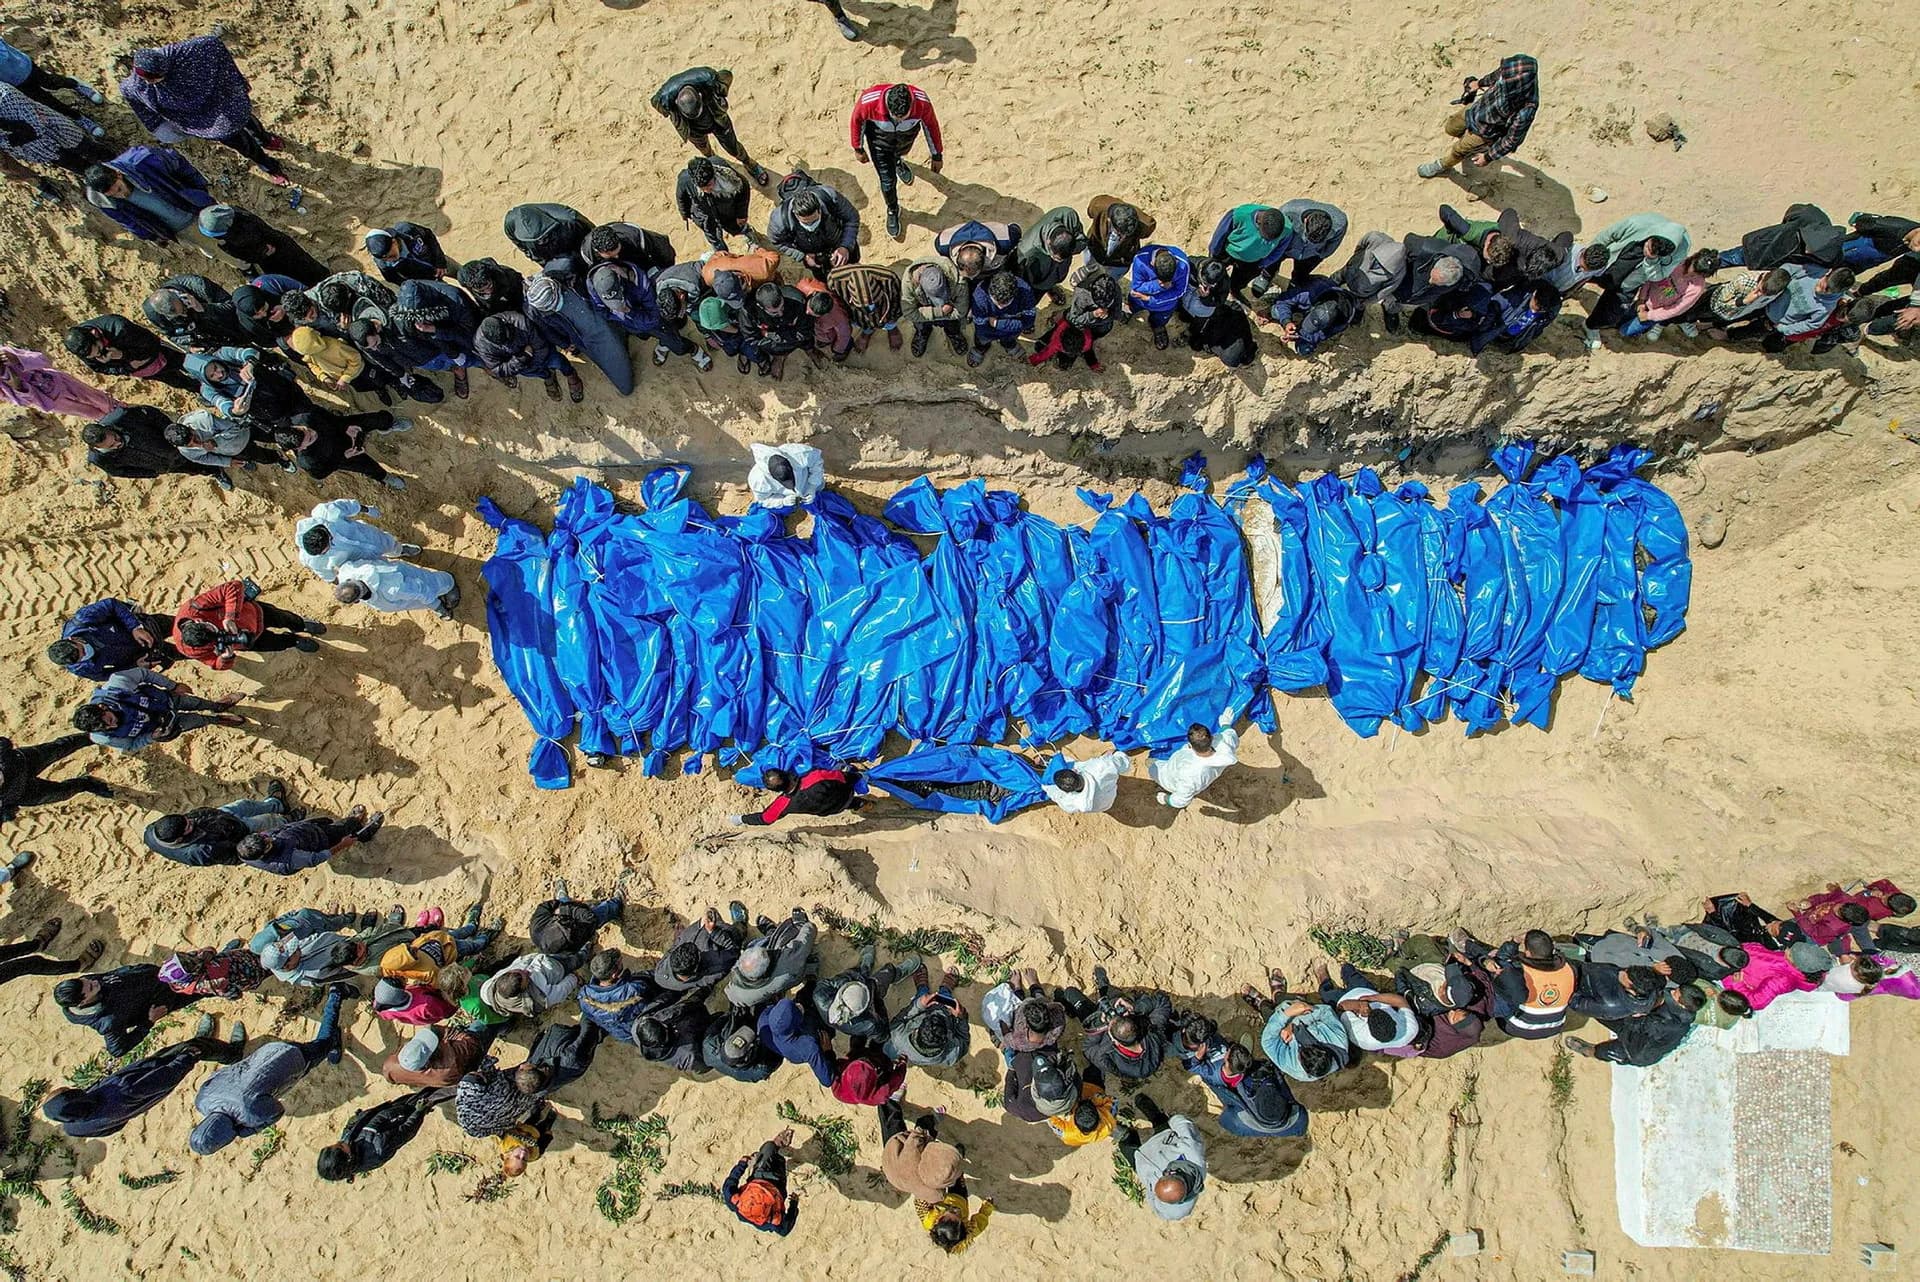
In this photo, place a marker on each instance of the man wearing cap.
(854, 1001)
(768, 966)
(732, 1048)
(702, 953)
(243, 1099)
(439, 1058)
(258, 246)
(695, 101)
(1087, 787)
(407, 251)
(1170, 1162)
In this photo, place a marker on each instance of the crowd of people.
(732, 996)
(1050, 291)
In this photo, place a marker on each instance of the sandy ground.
(1770, 748)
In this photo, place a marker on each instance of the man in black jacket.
(112, 344)
(105, 1108)
(713, 196)
(209, 836)
(696, 102)
(373, 1135)
(815, 226)
(1645, 1040)
(1436, 270)
(130, 443)
(259, 246)
(121, 1005)
(1128, 1034)
(193, 313)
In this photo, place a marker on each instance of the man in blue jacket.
(111, 636)
(135, 708)
(153, 192)
(789, 1030)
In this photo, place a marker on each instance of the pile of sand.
(1771, 747)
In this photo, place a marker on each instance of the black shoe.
(1160, 339)
(277, 790)
(1100, 984)
(893, 224)
(956, 342)
(312, 627)
(305, 645)
(745, 366)
(920, 337)
(764, 924)
(1064, 360)
(371, 828)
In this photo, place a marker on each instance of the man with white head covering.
(785, 475)
(854, 1001)
(330, 537)
(1087, 787)
(773, 963)
(394, 587)
(1375, 1021)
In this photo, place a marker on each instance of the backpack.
(761, 1203)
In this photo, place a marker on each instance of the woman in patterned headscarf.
(37, 135)
(194, 87)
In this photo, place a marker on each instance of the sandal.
(90, 954)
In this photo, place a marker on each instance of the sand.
(1769, 749)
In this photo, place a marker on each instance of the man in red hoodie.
(886, 120)
(224, 620)
(817, 792)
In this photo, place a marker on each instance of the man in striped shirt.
(872, 298)
(886, 120)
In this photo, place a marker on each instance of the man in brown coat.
(1116, 230)
(434, 1058)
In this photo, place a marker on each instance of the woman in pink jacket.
(1662, 301)
(28, 378)
(1766, 976)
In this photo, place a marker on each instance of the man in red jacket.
(817, 792)
(229, 618)
(886, 119)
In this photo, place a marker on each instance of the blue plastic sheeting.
(961, 779)
(961, 620)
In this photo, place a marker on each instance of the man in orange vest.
(756, 1188)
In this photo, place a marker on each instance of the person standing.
(374, 1134)
(121, 1005)
(1088, 787)
(695, 101)
(393, 587)
(193, 313)
(1494, 119)
(21, 768)
(927, 1169)
(1044, 256)
(872, 297)
(308, 842)
(937, 300)
(331, 536)
(756, 1189)
(1206, 754)
(29, 379)
(407, 251)
(510, 345)
(131, 444)
(1156, 285)
(109, 635)
(33, 134)
(136, 708)
(23, 73)
(112, 344)
(260, 247)
(1251, 239)
(815, 226)
(713, 196)
(1003, 308)
(193, 87)
(207, 440)
(105, 1108)
(886, 120)
(153, 192)
(212, 626)
(211, 837)
(243, 1099)
(1170, 1161)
